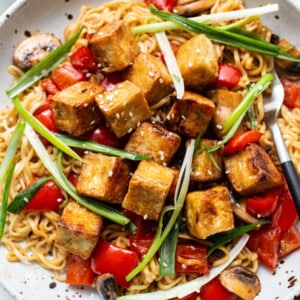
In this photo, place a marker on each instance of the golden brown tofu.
(204, 168)
(198, 62)
(151, 75)
(78, 230)
(75, 109)
(225, 101)
(148, 189)
(114, 46)
(104, 177)
(154, 140)
(209, 212)
(251, 170)
(124, 108)
(190, 115)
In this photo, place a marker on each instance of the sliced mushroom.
(241, 213)
(32, 50)
(241, 282)
(285, 68)
(192, 8)
(107, 287)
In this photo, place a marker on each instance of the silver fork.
(272, 106)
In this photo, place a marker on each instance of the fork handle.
(287, 165)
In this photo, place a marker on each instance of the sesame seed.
(183, 266)
(25, 199)
(130, 114)
(110, 173)
(161, 80)
(145, 216)
(209, 172)
(151, 74)
(190, 64)
(99, 65)
(59, 200)
(219, 126)
(227, 172)
(117, 115)
(165, 264)
(85, 105)
(88, 75)
(129, 130)
(183, 117)
(142, 133)
(93, 122)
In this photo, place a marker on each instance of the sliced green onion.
(43, 68)
(222, 238)
(5, 199)
(96, 147)
(167, 253)
(171, 63)
(261, 85)
(212, 18)
(92, 204)
(160, 236)
(11, 149)
(23, 198)
(194, 285)
(225, 37)
(42, 130)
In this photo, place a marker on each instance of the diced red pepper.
(290, 241)
(46, 117)
(167, 5)
(141, 240)
(195, 254)
(241, 140)
(83, 59)
(265, 242)
(291, 93)
(228, 76)
(73, 178)
(66, 76)
(264, 205)
(286, 214)
(49, 86)
(193, 296)
(48, 198)
(214, 290)
(79, 271)
(108, 258)
(102, 135)
(110, 81)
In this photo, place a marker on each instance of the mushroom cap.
(107, 287)
(241, 282)
(33, 49)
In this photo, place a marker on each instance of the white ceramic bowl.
(28, 281)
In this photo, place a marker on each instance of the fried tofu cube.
(148, 189)
(104, 177)
(78, 230)
(225, 101)
(114, 46)
(154, 140)
(151, 75)
(197, 60)
(75, 109)
(209, 212)
(124, 108)
(204, 169)
(251, 170)
(190, 115)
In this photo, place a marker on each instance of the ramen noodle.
(30, 236)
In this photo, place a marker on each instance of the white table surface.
(4, 4)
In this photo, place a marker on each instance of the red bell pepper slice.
(141, 240)
(195, 253)
(108, 258)
(111, 80)
(46, 117)
(102, 135)
(291, 93)
(290, 241)
(48, 198)
(214, 290)
(66, 76)
(83, 59)
(265, 242)
(193, 296)
(79, 271)
(241, 140)
(167, 5)
(264, 205)
(228, 76)
(286, 214)
(49, 86)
